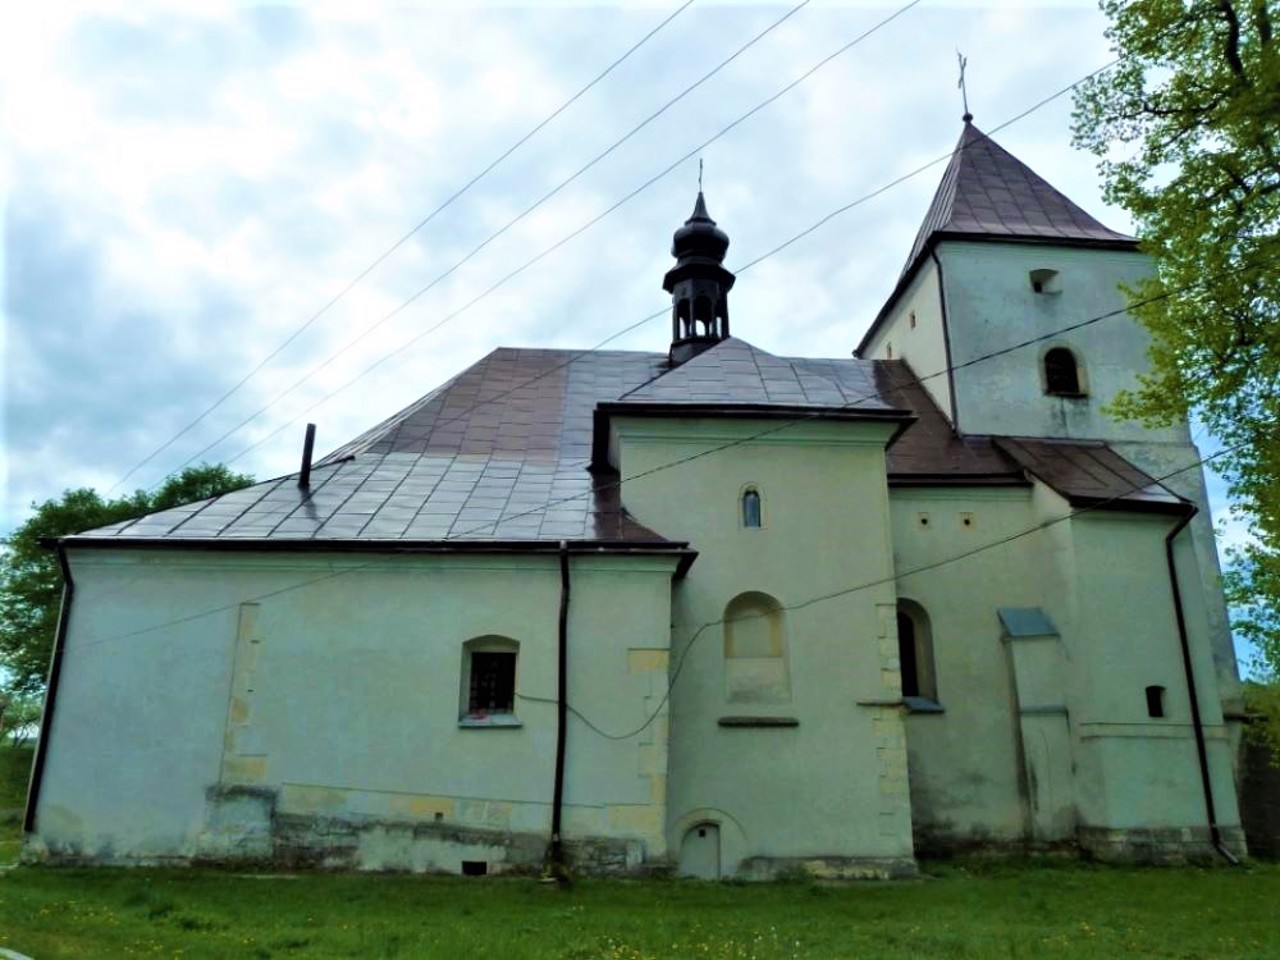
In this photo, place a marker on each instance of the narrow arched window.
(703, 316)
(915, 652)
(1061, 373)
(751, 507)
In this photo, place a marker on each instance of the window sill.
(507, 721)
(922, 705)
(758, 722)
(1063, 395)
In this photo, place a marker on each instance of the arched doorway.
(700, 852)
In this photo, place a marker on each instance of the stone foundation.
(827, 868)
(1160, 847)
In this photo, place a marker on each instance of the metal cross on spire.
(699, 174)
(964, 90)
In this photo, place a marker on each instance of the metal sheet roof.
(987, 191)
(1089, 473)
(501, 451)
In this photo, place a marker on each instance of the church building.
(704, 609)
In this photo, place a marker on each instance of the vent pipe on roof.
(308, 445)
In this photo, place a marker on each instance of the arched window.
(915, 653)
(755, 650)
(1061, 373)
(488, 687)
(751, 507)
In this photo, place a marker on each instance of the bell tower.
(699, 286)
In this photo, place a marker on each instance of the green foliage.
(1262, 701)
(30, 578)
(19, 715)
(1187, 129)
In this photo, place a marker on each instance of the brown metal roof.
(1088, 473)
(501, 453)
(929, 452)
(988, 192)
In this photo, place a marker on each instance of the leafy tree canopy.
(31, 581)
(1187, 129)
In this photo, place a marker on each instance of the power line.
(400, 242)
(440, 278)
(525, 266)
(653, 316)
(913, 381)
(878, 582)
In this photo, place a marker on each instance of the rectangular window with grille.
(493, 682)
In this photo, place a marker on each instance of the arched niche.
(755, 650)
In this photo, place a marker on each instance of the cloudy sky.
(189, 184)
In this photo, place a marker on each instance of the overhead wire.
(867, 585)
(393, 549)
(808, 230)
(382, 257)
(658, 313)
(441, 277)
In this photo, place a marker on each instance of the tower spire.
(699, 284)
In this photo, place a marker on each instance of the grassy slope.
(1062, 911)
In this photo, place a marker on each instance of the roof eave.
(734, 411)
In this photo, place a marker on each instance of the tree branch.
(1232, 49)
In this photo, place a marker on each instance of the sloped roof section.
(497, 453)
(733, 373)
(1088, 473)
(501, 454)
(930, 453)
(988, 192)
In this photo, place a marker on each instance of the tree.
(1187, 128)
(31, 580)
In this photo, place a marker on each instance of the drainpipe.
(559, 870)
(946, 341)
(51, 693)
(1197, 725)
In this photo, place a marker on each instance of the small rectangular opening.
(1155, 702)
(474, 868)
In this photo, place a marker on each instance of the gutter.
(679, 549)
(556, 865)
(1196, 723)
(51, 694)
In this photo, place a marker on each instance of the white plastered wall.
(913, 331)
(831, 787)
(337, 690)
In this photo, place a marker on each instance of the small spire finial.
(964, 90)
(699, 174)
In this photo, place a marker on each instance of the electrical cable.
(498, 233)
(653, 316)
(400, 242)
(878, 582)
(391, 546)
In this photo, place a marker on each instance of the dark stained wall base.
(1260, 799)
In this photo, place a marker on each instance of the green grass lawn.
(975, 910)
